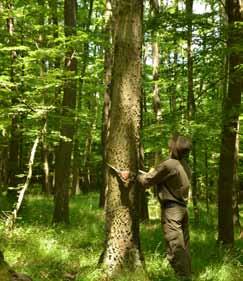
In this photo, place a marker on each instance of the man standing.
(172, 178)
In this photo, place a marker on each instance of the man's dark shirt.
(172, 178)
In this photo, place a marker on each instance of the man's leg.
(177, 252)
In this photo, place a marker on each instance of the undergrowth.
(59, 253)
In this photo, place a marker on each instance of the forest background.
(57, 76)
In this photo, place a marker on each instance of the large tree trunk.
(231, 108)
(122, 247)
(64, 150)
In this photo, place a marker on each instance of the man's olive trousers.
(175, 223)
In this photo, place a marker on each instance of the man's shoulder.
(170, 163)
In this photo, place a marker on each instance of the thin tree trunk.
(122, 245)
(236, 186)
(107, 97)
(156, 96)
(44, 150)
(85, 60)
(64, 150)
(206, 179)
(88, 146)
(46, 186)
(4, 162)
(143, 194)
(174, 87)
(13, 161)
(191, 106)
(53, 6)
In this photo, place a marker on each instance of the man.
(172, 178)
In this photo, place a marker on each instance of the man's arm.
(156, 176)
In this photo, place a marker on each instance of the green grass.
(71, 252)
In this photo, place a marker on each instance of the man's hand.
(151, 169)
(124, 175)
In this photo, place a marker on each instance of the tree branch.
(13, 216)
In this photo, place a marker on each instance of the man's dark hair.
(179, 146)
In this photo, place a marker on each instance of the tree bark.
(64, 150)
(122, 245)
(231, 109)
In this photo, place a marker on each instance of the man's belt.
(171, 204)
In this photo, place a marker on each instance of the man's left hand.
(124, 175)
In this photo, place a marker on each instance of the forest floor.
(58, 253)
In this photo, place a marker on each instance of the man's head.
(179, 146)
